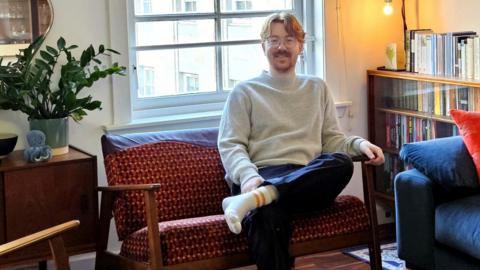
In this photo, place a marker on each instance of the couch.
(165, 191)
(438, 206)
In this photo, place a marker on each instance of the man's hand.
(373, 152)
(252, 184)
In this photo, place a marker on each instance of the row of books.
(450, 54)
(402, 129)
(392, 166)
(430, 97)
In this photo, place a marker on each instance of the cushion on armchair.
(469, 125)
(446, 161)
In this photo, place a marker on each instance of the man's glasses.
(288, 42)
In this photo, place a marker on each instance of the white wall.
(449, 15)
(356, 33)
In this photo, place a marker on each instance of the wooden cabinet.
(406, 107)
(34, 196)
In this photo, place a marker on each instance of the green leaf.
(101, 48)
(52, 50)
(113, 51)
(42, 65)
(61, 43)
(71, 47)
(94, 105)
(45, 55)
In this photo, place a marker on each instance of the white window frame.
(124, 87)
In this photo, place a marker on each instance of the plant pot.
(56, 133)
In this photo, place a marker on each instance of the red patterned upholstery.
(206, 237)
(191, 181)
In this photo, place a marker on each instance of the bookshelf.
(406, 107)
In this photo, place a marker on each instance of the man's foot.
(235, 208)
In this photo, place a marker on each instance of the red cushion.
(207, 237)
(469, 125)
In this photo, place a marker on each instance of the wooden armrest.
(360, 158)
(38, 236)
(140, 187)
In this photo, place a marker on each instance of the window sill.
(189, 118)
(169, 120)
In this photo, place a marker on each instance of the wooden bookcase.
(407, 107)
(34, 196)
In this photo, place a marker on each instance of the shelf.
(423, 77)
(439, 118)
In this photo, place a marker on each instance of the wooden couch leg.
(374, 247)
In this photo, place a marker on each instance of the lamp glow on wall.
(388, 9)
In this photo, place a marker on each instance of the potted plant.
(27, 85)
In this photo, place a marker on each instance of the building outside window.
(243, 5)
(146, 78)
(190, 5)
(196, 50)
(147, 6)
(189, 83)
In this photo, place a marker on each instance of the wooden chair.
(54, 238)
(165, 192)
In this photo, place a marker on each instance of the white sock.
(236, 208)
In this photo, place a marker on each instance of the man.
(281, 147)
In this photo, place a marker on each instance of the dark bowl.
(7, 143)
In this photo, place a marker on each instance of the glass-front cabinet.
(21, 21)
(407, 107)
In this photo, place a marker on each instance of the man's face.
(281, 49)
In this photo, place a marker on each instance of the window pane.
(160, 33)
(254, 5)
(242, 62)
(242, 28)
(155, 7)
(174, 72)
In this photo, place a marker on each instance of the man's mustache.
(282, 53)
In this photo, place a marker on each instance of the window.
(189, 83)
(190, 53)
(147, 6)
(243, 5)
(146, 78)
(190, 5)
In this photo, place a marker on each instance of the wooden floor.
(323, 261)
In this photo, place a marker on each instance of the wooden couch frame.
(106, 260)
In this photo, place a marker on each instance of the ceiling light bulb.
(388, 9)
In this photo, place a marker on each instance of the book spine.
(476, 58)
(463, 60)
(407, 50)
(469, 58)
(437, 101)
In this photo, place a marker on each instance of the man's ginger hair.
(291, 23)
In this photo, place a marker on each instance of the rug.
(390, 260)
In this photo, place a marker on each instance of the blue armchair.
(438, 206)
